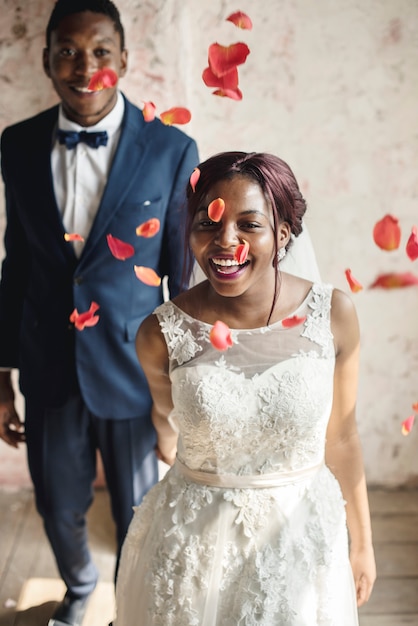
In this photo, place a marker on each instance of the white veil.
(300, 260)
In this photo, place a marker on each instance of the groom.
(84, 389)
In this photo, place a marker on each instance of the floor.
(30, 586)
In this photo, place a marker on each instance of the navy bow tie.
(71, 138)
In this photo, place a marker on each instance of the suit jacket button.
(78, 280)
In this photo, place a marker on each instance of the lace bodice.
(263, 405)
(211, 545)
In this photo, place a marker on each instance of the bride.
(253, 374)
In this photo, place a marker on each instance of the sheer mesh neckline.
(275, 326)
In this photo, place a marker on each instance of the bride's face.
(247, 218)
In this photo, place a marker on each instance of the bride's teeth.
(225, 262)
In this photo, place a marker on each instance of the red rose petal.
(220, 336)
(194, 177)
(292, 321)
(120, 249)
(149, 228)
(412, 244)
(147, 275)
(407, 425)
(241, 20)
(103, 79)
(148, 111)
(176, 115)
(216, 209)
(394, 280)
(223, 59)
(387, 233)
(355, 286)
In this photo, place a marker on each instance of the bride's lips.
(227, 267)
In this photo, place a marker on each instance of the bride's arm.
(152, 353)
(343, 447)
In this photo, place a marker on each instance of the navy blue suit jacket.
(43, 281)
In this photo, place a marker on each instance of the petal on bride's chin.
(241, 252)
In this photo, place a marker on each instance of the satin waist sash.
(251, 481)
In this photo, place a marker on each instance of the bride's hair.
(271, 173)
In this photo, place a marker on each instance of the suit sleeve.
(15, 265)
(174, 245)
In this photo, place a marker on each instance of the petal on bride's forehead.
(355, 286)
(220, 336)
(223, 59)
(147, 276)
(103, 79)
(149, 228)
(120, 249)
(216, 209)
(241, 20)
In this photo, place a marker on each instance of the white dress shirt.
(80, 175)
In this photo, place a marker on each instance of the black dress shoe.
(70, 612)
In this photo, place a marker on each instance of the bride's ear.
(283, 234)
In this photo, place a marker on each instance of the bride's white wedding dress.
(248, 527)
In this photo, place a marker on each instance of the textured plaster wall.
(332, 88)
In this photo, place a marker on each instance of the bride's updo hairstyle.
(271, 173)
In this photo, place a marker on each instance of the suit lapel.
(42, 186)
(127, 160)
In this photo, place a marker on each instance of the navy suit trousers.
(62, 446)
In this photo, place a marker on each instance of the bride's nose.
(227, 235)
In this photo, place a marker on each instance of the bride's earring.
(281, 254)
